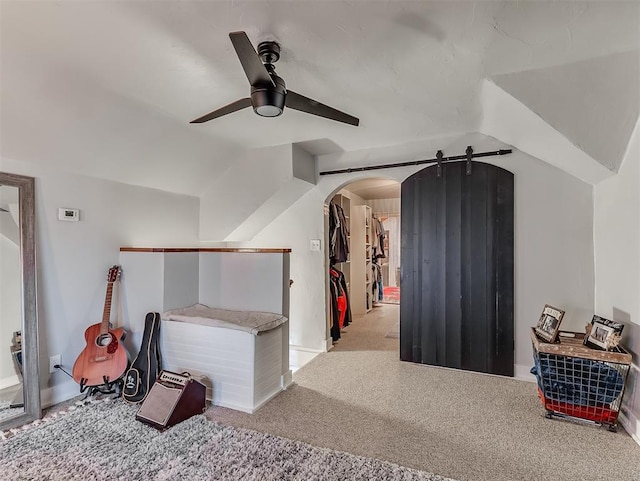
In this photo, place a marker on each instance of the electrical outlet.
(55, 361)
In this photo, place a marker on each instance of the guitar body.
(103, 357)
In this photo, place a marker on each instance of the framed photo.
(549, 323)
(604, 334)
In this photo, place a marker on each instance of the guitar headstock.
(114, 273)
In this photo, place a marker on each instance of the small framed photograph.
(604, 333)
(549, 323)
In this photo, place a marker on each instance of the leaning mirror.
(19, 380)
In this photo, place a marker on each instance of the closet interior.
(364, 250)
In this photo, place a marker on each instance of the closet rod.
(417, 162)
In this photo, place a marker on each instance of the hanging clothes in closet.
(378, 237)
(377, 289)
(376, 281)
(338, 234)
(340, 306)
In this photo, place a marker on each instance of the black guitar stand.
(108, 387)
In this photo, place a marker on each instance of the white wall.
(73, 257)
(617, 264)
(294, 229)
(258, 187)
(553, 241)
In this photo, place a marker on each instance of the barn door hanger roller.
(439, 160)
(468, 152)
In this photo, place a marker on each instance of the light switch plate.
(315, 244)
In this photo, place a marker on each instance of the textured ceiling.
(108, 88)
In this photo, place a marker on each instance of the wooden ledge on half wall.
(245, 250)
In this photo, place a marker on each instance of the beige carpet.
(361, 399)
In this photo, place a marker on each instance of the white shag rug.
(103, 441)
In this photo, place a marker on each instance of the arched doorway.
(358, 279)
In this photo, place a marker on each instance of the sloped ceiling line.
(593, 103)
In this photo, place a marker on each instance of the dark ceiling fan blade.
(227, 109)
(300, 102)
(253, 67)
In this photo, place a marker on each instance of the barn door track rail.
(439, 160)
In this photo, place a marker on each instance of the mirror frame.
(30, 347)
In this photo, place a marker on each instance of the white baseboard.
(305, 349)
(324, 346)
(9, 381)
(631, 424)
(59, 393)
(265, 401)
(242, 408)
(522, 372)
(286, 379)
(235, 407)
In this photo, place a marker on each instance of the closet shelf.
(361, 253)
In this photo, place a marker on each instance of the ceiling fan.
(269, 94)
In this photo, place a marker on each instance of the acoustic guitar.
(104, 359)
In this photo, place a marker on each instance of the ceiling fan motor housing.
(267, 100)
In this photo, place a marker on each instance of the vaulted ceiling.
(108, 88)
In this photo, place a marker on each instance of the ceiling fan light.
(268, 110)
(267, 100)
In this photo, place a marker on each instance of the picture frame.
(602, 332)
(549, 323)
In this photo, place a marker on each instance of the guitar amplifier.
(172, 399)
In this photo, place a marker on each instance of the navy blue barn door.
(456, 307)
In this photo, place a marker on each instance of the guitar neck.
(106, 313)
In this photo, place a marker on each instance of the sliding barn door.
(456, 307)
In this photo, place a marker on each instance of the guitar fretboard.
(106, 314)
